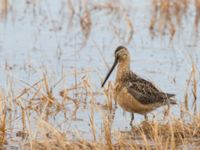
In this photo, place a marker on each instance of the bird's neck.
(122, 69)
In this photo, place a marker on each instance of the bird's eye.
(124, 55)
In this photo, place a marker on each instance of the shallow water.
(38, 40)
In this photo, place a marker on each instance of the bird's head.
(121, 56)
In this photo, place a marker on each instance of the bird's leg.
(132, 118)
(154, 116)
(115, 105)
(145, 117)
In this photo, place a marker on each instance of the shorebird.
(133, 93)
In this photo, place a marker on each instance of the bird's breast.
(128, 102)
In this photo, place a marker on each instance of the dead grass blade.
(4, 6)
(71, 13)
(194, 90)
(87, 85)
(3, 128)
(86, 23)
(107, 132)
(130, 27)
(197, 16)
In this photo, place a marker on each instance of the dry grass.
(38, 103)
(34, 106)
(166, 16)
(4, 9)
(148, 135)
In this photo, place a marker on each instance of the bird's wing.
(144, 91)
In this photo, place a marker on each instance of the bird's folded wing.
(145, 92)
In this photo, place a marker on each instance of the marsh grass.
(166, 16)
(4, 9)
(147, 135)
(38, 103)
(34, 105)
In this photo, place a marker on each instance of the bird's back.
(144, 91)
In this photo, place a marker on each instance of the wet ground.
(39, 38)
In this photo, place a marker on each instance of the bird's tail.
(170, 99)
(170, 95)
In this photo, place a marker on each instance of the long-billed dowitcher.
(132, 93)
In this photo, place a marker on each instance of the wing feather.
(144, 91)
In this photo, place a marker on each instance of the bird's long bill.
(109, 73)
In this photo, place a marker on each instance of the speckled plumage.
(132, 93)
(144, 91)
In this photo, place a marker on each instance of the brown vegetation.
(166, 16)
(33, 106)
(40, 100)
